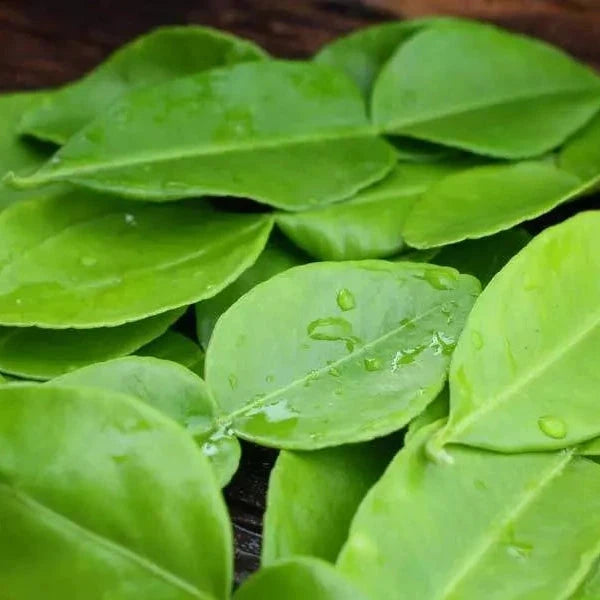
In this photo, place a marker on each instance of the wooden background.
(49, 42)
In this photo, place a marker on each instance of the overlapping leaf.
(171, 389)
(276, 257)
(369, 225)
(525, 373)
(507, 524)
(481, 201)
(288, 359)
(293, 135)
(101, 496)
(484, 90)
(313, 496)
(35, 353)
(482, 257)
(162, 55)
(178, 348)
(83, 260)
(298, 578)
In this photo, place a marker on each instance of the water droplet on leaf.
(345, 299)
(372, 364)
(553, 427)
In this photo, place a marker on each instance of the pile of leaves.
(330, 224)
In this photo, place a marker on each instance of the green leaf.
(581, 154)
(481, 201)
(313, 496)
(161, 55)
(370, 224)
(102, 497)
(362, 53)
(15, 153)
(301, 578)
(82, 260)
(275, 258)
(435, 411)
(174, 391)
(35, 353)
(524, 375)
(507, 524)
(287, 360)
(590, 588)
(482, 258)
(176, 347)
(484, 90)
(252, 130)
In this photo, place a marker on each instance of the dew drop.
(553, 427)
(439, 279)
(18, 301)
(477, 340)
(130, 219)
(345, 299)
(209, 449)
(334, 372)
(407, 356)
(442, 344)
(372, 364)
(333, 329)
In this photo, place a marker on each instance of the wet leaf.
(524, 374)
(161, 55)
(289, 358)
(83, 260)
(491, 522)
(252, 130)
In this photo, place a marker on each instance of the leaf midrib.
(66, 523)
(510, 391)
(99, 283)
(260, 402)
(428, 118)
(510, 516)
(133, 160)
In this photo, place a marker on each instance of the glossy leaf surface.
(481, 201)
(491, 522)
(524, 375)
(162, 55)
(83, 260)
(275, 258)
(35, 353)
(484, 90)
(370, 224)
(316, 339)
(127, 507)
(254, 130)
(362, 53)
(171, 389)
(435, 411)
(581, 154)
(301, 578)
(178, 348)
(16, 153)
(313, 496)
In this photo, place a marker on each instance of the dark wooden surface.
(49, 42)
